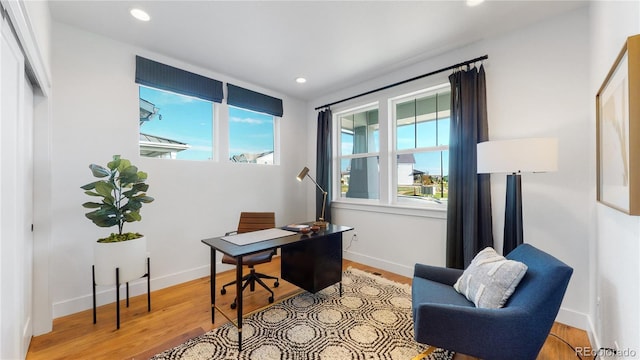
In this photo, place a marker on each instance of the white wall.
(537, 85)
(614, 303)
(96, 116)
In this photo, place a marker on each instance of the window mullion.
(384, 162)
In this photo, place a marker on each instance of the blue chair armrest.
(439, 274)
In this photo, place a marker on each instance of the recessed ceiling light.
(140, 14)
(301, 80)
(474, 2)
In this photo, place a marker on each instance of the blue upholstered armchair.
(444, 318)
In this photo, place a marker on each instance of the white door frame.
(16, 12)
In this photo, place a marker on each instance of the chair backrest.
(541, 290)
(545, 281)
(254, 221)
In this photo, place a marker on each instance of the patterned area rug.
(371, 321)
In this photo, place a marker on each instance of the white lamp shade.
(518, 155)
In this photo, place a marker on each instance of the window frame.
(338, 157)
(394, 152)
(214, 124)
(276, 136)
(387, 201)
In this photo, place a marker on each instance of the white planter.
(129, 256)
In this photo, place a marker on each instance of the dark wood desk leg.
(239, 299)
(212, 281)
(341, 261)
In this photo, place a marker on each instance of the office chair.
(253, 221)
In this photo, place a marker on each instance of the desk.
(312, 262)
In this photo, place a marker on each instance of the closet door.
(15, 202)
(25, 190)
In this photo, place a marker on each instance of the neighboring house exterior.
(406, 162)
(152, 145)
(261, 158)
(159, 147)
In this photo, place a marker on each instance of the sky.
(429, 162)
(189, 120)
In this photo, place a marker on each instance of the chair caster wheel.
(223, 291)
(270, 299)
(233, 305)
(276, 284)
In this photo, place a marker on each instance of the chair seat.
(250, 260)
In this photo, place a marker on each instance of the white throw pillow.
(490, 279)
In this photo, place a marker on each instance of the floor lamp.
(515, 157)
(304, 173)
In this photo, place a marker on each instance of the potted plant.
(122, 190)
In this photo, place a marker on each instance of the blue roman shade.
(169, 78)
(251, 100)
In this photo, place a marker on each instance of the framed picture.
(618, 132)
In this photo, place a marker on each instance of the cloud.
(247, 120)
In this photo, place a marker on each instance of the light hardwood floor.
(183, 311)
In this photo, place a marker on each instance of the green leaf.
(101, 218)
(129, 175)
(124, 163)
(90, 186)
(114, 163)
(91, 205)
(132, 216)
(141, 187)
(144, 198)
(104, 189)
(91, 193)
(142, 175)
(135, 189)
(98, 171)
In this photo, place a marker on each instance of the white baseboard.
(107, 294)
(575, 319)
(401, 269)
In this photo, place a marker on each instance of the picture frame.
(618, 132)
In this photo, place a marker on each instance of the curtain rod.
(406, 81)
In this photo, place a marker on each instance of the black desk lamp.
(301, 176)
(514, 157)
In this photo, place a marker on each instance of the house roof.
(406, 159)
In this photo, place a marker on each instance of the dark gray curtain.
(469, 228)
(323, 162)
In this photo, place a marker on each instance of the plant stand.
(147, 275)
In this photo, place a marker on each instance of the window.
(174, 126)
(359, 148)
(176, 111)
(253, 130)
(177, 116)
(251, 136)
(421, 154)
(396, 150)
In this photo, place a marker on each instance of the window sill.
(433, 211)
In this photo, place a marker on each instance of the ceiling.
(334, 44)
